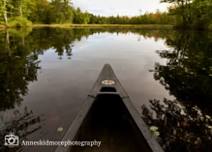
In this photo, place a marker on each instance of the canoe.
(109, 116)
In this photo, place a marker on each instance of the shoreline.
(133, 26)
(96, 26)
(137, 26)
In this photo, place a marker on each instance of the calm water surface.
(45, 75)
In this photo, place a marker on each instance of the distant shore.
(132, 26)
(137, 26)
(141, 26)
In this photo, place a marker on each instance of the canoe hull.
(109, 116)
(110, 122)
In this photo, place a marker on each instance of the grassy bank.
(117, 26)
(141, 26)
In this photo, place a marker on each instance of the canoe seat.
(107, 89)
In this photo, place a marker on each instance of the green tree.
(195, 14)
(81, 17)
(182, 9)
(201, 13)
(60, 11)
(3, 11)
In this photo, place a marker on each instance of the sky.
(119, 7)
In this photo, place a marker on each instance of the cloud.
(120, 7)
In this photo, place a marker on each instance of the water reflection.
(19, 62)
(24, 53)
(18, 67)
(181, 127)
(188, 72)
(184, 124)
(21, 123)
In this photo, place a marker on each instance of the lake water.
(46, 74)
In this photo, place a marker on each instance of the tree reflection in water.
(21, 123)
(187, 75)
(20, 50)
(183, 124)
(19, 64)
(181, 128)
(19, 61)
(188, 72)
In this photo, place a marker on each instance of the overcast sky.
(119, 7)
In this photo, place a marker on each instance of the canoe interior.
(109, 121)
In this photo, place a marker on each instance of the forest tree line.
(182, 13)
(196, 14)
